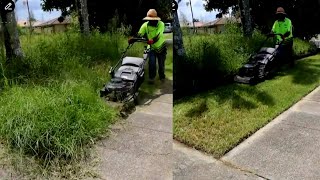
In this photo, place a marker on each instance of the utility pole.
(194, 28)
(26, 2)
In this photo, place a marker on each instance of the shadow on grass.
(198, 109)
(241, 96)
(305, 72)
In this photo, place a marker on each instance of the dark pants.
(153, 57)
(286, 52)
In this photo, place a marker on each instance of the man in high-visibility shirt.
(283, 26)
(153, 30)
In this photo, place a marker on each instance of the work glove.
(150, 41)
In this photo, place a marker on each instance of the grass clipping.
(55, 122)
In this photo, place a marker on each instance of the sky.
(35, 7)
(198, 11)
(40, 15)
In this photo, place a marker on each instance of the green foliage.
(263, 13)
(129, 12)
(302, 48)
(52, 109)
(49, 56)
(56, 122)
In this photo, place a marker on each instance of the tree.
(246, 17)
(179, 52)
(100, 15)
(84, 17)
(178, 48)
(303, 13)
(11, 36)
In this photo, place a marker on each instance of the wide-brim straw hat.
(280, 10)
(152, 15)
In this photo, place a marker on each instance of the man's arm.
(273, 30)
(142, 30)
(289, 30)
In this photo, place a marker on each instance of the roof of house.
(26, 23)
(211, 23)
(55, 21)
(219, 21)
(196, 24)
(222, 21)
(226, 20)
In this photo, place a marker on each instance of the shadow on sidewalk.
(163, 88)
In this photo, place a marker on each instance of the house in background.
(24, 25)
(216, 26)
(54, 26)
(189, 26)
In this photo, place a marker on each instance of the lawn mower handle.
(268, 36)
(138, 39)
(135, 39)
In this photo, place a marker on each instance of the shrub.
(49, 55)
(302, 48)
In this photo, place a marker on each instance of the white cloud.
(35, 7)
(198, 11)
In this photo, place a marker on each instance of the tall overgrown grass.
(52, 109)
(56, 121)
(212, 59)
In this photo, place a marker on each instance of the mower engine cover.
(266, 50)
(130, 69)
(117, 84)
(133, 61)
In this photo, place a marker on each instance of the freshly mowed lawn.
(218, 120)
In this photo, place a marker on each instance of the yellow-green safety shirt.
(281, 27)
(152, 32)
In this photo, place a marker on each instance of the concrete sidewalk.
(141, 146)
(286, 148)
(190, 164)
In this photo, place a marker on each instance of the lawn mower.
(126, 76)
(260, 65)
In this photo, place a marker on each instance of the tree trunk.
(246, 17)
(177, 37)
(179, 54)
(84, 17)
(11, 36)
